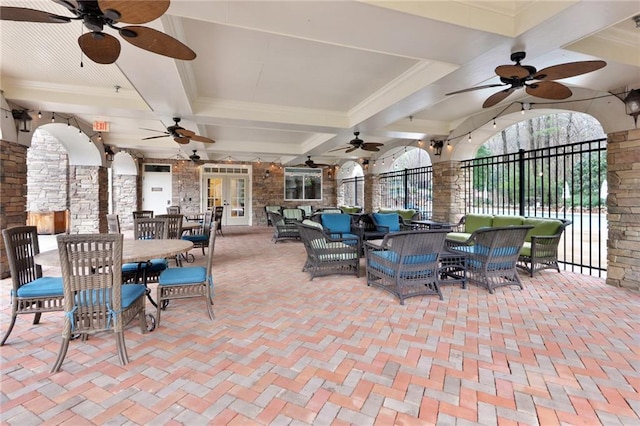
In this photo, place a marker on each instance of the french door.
(231, 191)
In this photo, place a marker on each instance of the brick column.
(448, 187)
(88, 199)
(371, 193)
(623, 204)
(13, 193)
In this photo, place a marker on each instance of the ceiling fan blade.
(71, 5)
(486, 86)
(369, 147)
(182, 140)
(157, 42)
(154, 130)
(21, 14)
(549, 90)
(135, 11)
(155, 137)
(497, 97)
(339, 149)
(185, 133)
(353, 148)
(512, 71)
(100, 47)
(570, 69)
(202, 139)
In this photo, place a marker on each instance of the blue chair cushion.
(349, 238)
(391, 256)
(198, 238)
(132, 267)
(387, 222)
(130, 293)
(484, 251)
(157, 265)
(337, 223)
(41, 287)
(180, 276)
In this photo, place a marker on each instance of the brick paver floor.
(286, 350)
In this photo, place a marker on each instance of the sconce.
(330, 174)
(23, 117)
(365, 164)
(108, 153)
(437, 147)
(267, 174)
(632, 105)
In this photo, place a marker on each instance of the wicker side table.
(453, 268)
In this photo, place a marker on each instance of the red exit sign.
(100, 126)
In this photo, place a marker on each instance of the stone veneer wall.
(448, 187)
(185, 186)
(88, 199)
(124, 198)
(47, 175)
(623, 205)
(13, 187)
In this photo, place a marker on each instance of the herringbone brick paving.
(286, 350)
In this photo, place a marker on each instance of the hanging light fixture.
(437, 147)
(23, 117)
(632, 105)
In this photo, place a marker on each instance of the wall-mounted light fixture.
(437, 147)
(24, 118)
(267, 174)
(108, 153)
(632, 105)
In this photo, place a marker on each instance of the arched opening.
(351, 184)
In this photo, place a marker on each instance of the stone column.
(13, 193)
(448, 187)
(371, 193)
(124, 198)
(88, 199)
(623, 204)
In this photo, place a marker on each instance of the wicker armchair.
(327, 255)
(406, 263)
(95, 299)
(187, 282)
(281, 229)
(541, 251)
(292, 215)
(31, 293)
(147, 229)
(492, 255)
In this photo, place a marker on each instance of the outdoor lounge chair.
(95, 299)
(406, 263)
(31, 293)
(492, 254)
(541, 251)
(327, 255)
(281, 229)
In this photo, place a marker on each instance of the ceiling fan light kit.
(536, 83)
(95, 15)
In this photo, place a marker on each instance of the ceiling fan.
(99, 46)
(537, 83)
(356, 143)
(195, 158)
(313, 164)
(179, 134)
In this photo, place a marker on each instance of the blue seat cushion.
(484, 251)
(130, 293)
(198, 238)
(41, 287)
(348, 237)
(156, 265)
(186, 275)
(337, 223)
(387, 222)
(384, 257)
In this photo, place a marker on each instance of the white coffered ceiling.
(281, 80)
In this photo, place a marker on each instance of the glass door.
(230, 192)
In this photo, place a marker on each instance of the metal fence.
(567, 181)
(408, 189)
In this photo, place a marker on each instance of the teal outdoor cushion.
(337, 223)
(181, 276)
(198, 238)
(387, 222)
(389, 256)
(131, 292)
(41, 287)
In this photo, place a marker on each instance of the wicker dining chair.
(113, 224)
(147, 229)
(141, 214)
(187, 282)
(173, 210)
(95, 300)
(31, 293)
(218, 212)
(201, 239)
(406, 263)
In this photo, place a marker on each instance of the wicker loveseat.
(540, 248)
